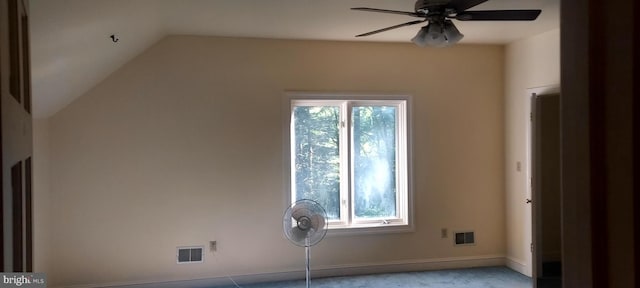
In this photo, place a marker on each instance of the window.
(350, 154)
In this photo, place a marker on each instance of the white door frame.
(528, 222)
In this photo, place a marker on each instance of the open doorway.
(544, 191)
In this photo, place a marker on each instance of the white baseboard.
(517, 265)
(319, 272)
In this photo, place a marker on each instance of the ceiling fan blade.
(414, 14)
(391, 28)
(461, 5)
(498, 15)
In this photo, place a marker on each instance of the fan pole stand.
(307, 249)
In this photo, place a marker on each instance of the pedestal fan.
(305, 225)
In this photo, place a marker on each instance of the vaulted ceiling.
(72, 50)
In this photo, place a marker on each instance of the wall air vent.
(191, 254)
(464, 238)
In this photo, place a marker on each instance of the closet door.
(16, 147)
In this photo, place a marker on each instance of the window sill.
(369, 229)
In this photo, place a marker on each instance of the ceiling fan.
(440, 31)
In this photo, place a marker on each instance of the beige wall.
(530, 63)
(183, 145)
(41, 197)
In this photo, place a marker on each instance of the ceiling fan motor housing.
(424, 6)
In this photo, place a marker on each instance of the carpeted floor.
(486, 277)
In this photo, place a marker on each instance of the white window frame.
(348, 224)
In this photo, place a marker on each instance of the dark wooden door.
(16, 247)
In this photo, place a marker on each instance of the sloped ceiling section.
(72, 50)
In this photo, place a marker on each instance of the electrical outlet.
(213, 246)
(444, 233)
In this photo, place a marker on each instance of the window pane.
(317, 156)
(374, 161)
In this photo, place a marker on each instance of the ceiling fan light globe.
(451, 33)
(434, 31)
(420, 38)
(436, 41)
(431, 35)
